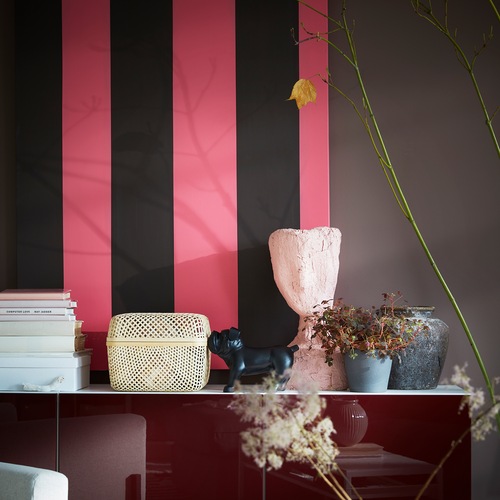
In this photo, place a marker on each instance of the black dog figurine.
(243, 360)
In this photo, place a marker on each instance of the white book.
(35, 294)
(41, 343)
(44, 360)
(37, 317)
(35, 356)
(36, 328)
(38, 303)
(20, 370)
(22, 311)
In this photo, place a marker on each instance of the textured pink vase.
(305, 266)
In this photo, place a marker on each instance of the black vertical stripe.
(39, 143)
(268, 161)
(141, 125)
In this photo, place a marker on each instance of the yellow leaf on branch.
(303, 92)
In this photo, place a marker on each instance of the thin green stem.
(385, 161)
(425, 12)
(366, 125)
(495, 10)
(411, 219)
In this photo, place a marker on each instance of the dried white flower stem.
(331, 480)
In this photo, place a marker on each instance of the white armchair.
(20, 482)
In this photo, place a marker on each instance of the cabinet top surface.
(441, 390)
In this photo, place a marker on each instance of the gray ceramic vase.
(421, 364)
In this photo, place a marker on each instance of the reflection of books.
(35, 294)
(42, 343)
(33, 311)
(36, 328)
(361, 450)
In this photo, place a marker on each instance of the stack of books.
(41, 340)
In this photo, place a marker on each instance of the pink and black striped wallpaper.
(156, 152)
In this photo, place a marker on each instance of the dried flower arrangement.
(288, 428)
(294, 428)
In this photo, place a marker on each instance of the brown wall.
(448, 167)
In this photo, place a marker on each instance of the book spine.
(37, 304)
(37, 310)
(37, 317)
(40, 328)
(45, 343)
(35, 294)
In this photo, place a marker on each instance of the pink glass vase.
(349, 420)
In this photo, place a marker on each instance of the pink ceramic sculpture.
(305, 266)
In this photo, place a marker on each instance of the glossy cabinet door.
(114, 445)
(28, 429)
(169, 445)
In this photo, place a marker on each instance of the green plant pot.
(367, 373)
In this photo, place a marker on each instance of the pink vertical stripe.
(86, 153)
(314, 146)
(205, 216)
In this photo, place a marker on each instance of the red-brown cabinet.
(125, 446)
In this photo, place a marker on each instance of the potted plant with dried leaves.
(368, 338)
